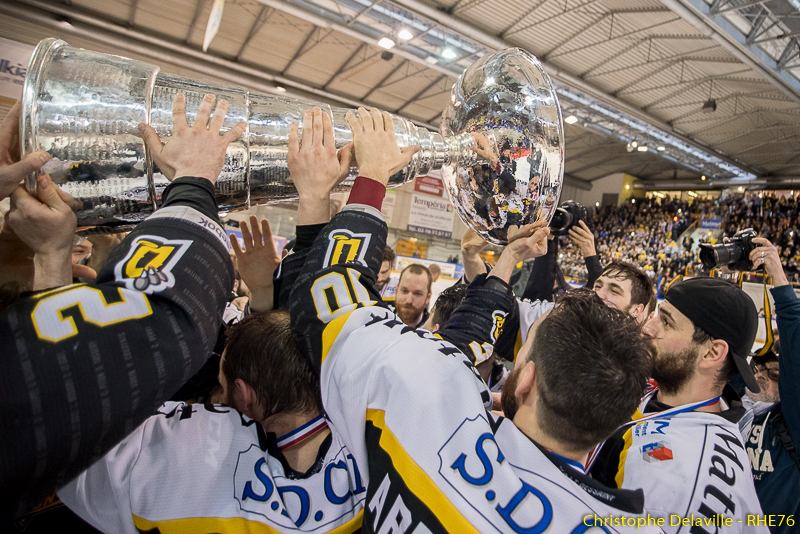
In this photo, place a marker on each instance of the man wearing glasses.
(775, 433)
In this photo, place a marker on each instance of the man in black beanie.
(683, 446)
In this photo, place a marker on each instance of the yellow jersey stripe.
(418, 480)
(230, 525)
(623, 455)
(331, 332)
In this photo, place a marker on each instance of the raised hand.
(529, 241)
(12, 169)
(581, 236)
(257, 262)
(198, 150)
(767, 255)
(316, 167)
(376, 149)
(46, 224)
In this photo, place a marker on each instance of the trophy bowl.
(500, 148)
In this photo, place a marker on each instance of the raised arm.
(787, 307)
(341, 267)
(83, 365)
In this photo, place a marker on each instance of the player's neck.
(302, 455)
(526, 422)
(693, 391)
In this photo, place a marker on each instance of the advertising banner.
(710, 223)
(430, 185)
(431, 216)
(14, 59)
(387, 209)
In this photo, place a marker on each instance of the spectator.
(772, 442)
(387, 264)
(435, 271)
(413, 295)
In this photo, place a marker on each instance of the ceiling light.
(642, 148)
(405, 35)
(703, 177)
(629, 148)
(572, 119)
(634, 144)
(386, 43)
(280, 88)
(710, 106)
(741, 188)
(448, 53)
(692, 194)
(432, 60)
(661, 148)
(627, 186)
(597, 204)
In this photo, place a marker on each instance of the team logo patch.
(498, 322)
(148, 265)
(657, 452)
(346, 247)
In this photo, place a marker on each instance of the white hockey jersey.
(406, 405)
(692, 467)
(209, 469)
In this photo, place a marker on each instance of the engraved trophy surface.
(499, 149)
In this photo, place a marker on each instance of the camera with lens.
(567, 215)
(735, 254)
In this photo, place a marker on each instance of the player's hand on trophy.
(581, 236)
(767, 255)
(13, 169)
(46, 223)
(315, 166)
(529, 241)
(197, 150)
(257, 261)
(377, 153)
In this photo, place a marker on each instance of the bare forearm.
(52, 270)
(314, 210)
(504, 266)
(473, 266)
(261, 300)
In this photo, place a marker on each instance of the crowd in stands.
(174, 379)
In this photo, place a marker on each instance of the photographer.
(775, 434)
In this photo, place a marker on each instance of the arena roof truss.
(710, 87)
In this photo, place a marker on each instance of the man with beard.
(413, 294)
(683, 445)
(772, 442)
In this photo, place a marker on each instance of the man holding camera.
(771, 442)
(683, 446)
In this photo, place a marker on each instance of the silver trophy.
(500, 148)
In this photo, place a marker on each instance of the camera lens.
(562, 219)
(720, 255)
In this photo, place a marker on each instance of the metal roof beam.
(263, 17)
(680, 55)
(196, 18)
(316, 30)
(344, 65)
(384, 80)
(419, 94)
(507, 32)
(715, 26)
(168, 52)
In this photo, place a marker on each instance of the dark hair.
(416, 268)
(641, 288)
(728, 369)
(592, 364)
(262, 351)
(447, 302)
(388, 254)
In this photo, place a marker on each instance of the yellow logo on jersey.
(498, 322)
(148, 265)
(346, 247)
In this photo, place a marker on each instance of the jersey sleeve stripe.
(417, 481)
(330, 334)
(623, 455)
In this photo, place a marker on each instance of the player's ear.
(526, 380)
(248, 404)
